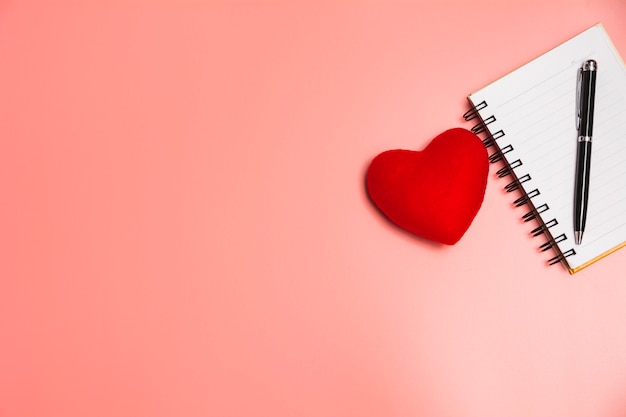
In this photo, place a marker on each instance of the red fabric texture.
(434, 193)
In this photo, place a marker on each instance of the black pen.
(586, 91)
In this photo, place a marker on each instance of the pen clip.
(578, 87)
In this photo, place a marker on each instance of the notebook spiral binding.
(534, 213)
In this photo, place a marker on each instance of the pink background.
(184, 229)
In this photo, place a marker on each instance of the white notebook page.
(535, 107)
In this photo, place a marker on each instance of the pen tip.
(578, 237)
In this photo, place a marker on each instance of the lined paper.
(535, 107)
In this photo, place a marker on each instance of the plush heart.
(434, 193)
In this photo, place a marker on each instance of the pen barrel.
(581, 189)
(587, 100)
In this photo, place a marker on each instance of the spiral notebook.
(529, 118)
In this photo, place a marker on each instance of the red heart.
(434, 193)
